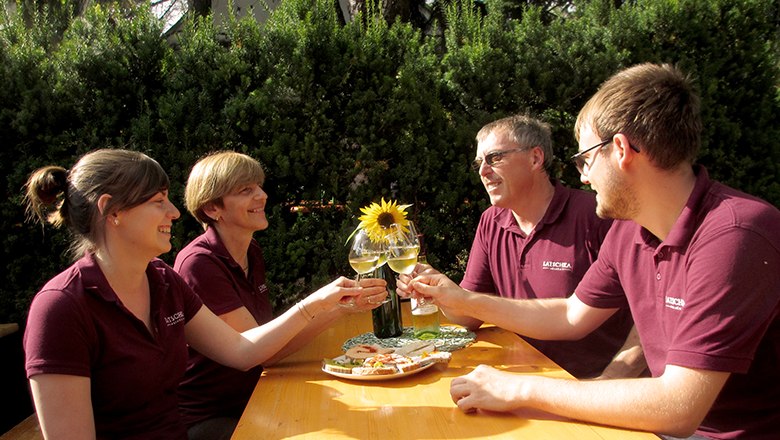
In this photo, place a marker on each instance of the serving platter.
(373, 377)
(451, 338)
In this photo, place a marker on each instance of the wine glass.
(402, 253)
(365, 255)
(402, 248)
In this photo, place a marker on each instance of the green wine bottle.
(387, 317)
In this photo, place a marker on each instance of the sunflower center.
(385, 219)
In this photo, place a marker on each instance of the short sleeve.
(58, 336)
(478, 277)
(601, 287)
(731, 298)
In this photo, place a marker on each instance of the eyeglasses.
(579, 159)
(495, 157)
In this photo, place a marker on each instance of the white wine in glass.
(365, 264)
(405, 261)
(402, 248)
(365, 255)
(402, 253)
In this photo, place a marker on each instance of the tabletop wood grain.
(295, 399)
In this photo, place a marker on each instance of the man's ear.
(538, 157)
(622, 148)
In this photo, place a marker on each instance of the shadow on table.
(367, 421)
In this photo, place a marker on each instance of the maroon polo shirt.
(78, 326)
(548, 263)
(706, 297)
(210, 389)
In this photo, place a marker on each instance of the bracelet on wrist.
(304, 311)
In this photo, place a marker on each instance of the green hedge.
(341, 115)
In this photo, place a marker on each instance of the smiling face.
(146, 228)
(509, 178)
(243, 209)
(227, 175)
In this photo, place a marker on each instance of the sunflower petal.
(377, 217)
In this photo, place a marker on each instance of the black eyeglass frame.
(495, 157)
(580, 162)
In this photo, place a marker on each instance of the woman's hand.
(343, 291)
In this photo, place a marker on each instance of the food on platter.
(389, 363)
(383, 361)
(372, 371)
(442, 357)
(340, 364)
(365, 351)
(374, 377)
(416, 348)
(451, 338)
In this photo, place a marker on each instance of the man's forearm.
(629, 360)
(462, 320)
(675, 403)
(547, 319)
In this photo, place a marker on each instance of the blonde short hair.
(215, 176)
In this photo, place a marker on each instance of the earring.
(116, 222)
(216, 219)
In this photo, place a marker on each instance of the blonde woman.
(106, 340)
(225, 267)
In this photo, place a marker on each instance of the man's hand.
(439, 290)
(486, 388)
(403, 286)
(443, 291)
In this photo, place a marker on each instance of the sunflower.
(377, 218)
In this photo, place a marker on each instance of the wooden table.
(295, 399)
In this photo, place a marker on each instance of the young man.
(537, 240)
(697, 263)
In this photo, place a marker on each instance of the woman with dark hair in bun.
(106, 340)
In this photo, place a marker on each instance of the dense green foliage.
(341, 115)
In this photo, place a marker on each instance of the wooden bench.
(14, 388)
(8, 329)
(27, 429)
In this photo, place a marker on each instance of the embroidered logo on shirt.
(174, 319)
(262, 288)
(556, 265)
(675, 303)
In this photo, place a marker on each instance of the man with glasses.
(537, 240)
(697, 262)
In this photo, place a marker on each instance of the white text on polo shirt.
(675, 303)
(556, 265)
(174, 319)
